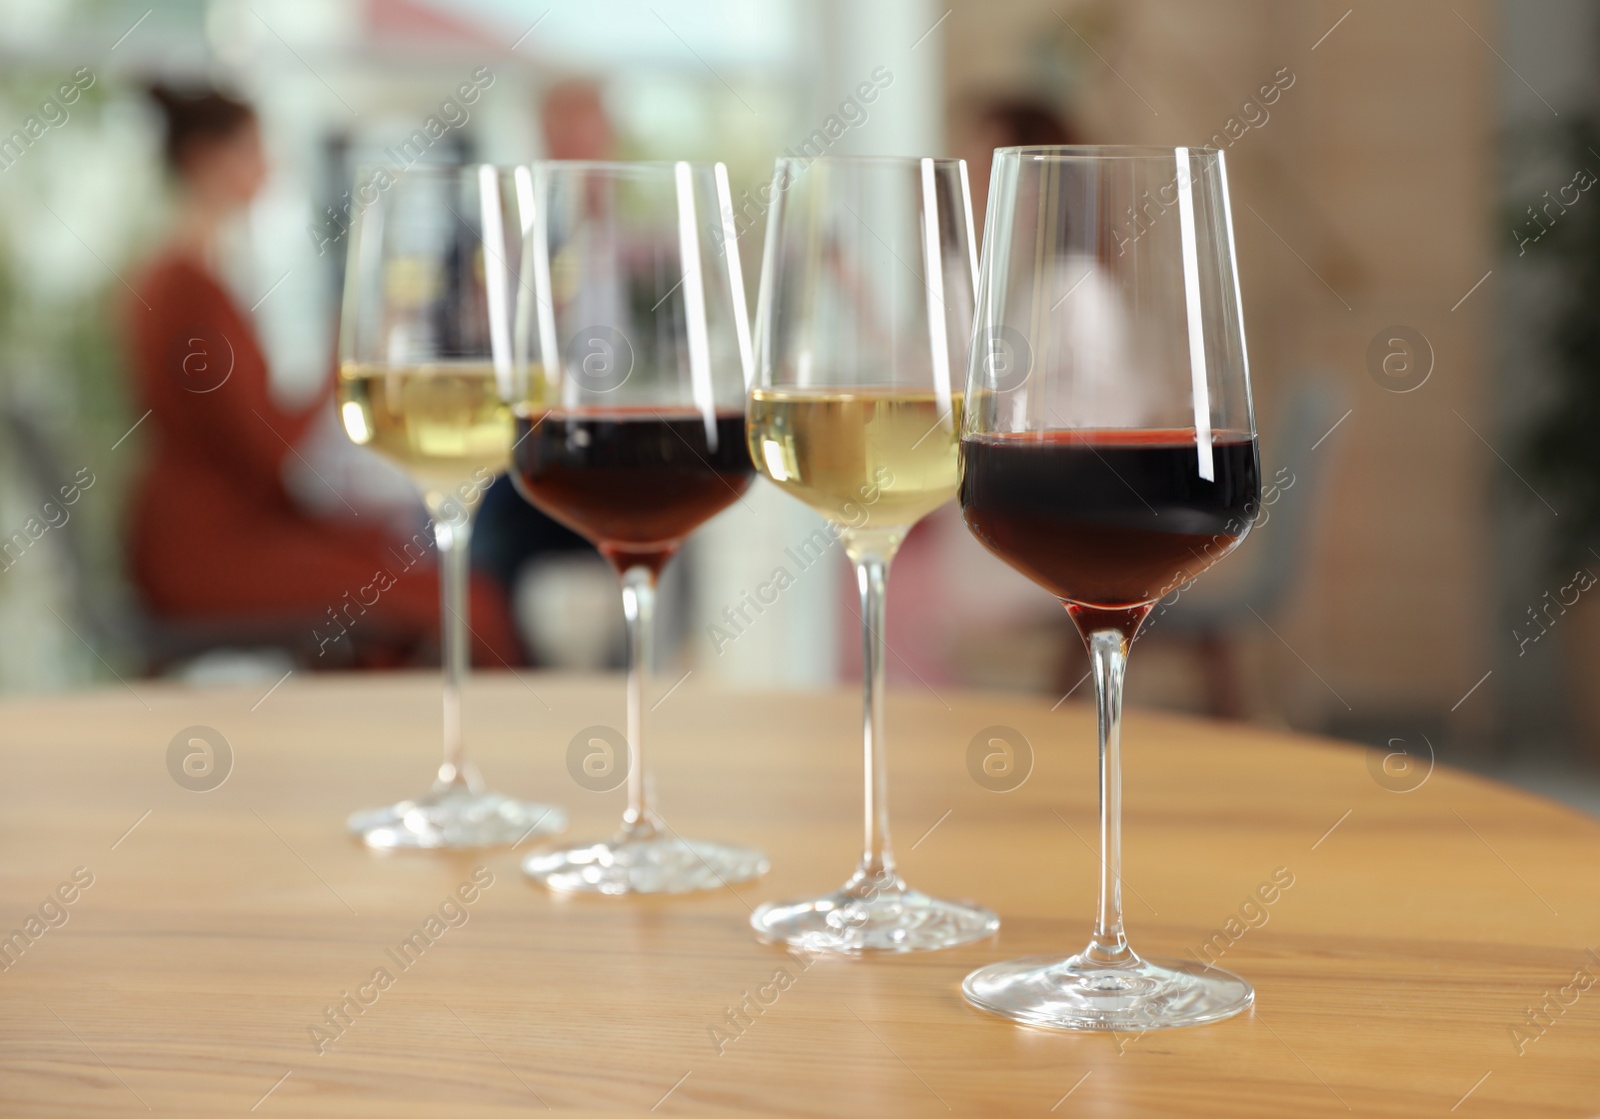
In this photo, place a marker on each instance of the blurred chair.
(1213, 612)
(112, 618)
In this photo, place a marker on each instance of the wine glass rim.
(433, 170)
(872, 160)
(456, 170)
(1102, 151)
(624, 166)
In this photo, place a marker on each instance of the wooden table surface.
(1394, 976)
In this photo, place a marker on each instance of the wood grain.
(1419, 929)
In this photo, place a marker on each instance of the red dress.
(214, 533)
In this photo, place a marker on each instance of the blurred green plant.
(58, 325)
(1562, 446)
(76, 202)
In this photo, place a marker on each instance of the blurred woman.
(214, 535)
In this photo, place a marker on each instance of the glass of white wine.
(425, 348)
(861, 342)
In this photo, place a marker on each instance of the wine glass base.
(900, 921)
(455, 817)
(1071, 993)
(661, 864)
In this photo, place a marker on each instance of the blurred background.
(1420, 257)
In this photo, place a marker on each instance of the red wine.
(1108, 519)
(634, 482)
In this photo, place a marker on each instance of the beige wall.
(1376, 167)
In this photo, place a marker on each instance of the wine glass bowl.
(864, 318)
(1109, 454)
(424, 356)
(628, 379)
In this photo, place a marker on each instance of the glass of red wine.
(632, 352)
(1109, 454)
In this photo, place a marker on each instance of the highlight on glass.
(632, 352)
(863, 324)
(1109, 454)
(424, 345)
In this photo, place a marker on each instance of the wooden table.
(219, 926)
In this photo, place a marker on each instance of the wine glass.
(864, 316)
(424, 344)
(1109, 454)
(632, 354)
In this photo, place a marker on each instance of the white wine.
(444, 422)
(884, 458)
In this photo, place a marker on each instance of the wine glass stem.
(1108, 654)
(452, 533)
(877, 861)
(638, 605)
